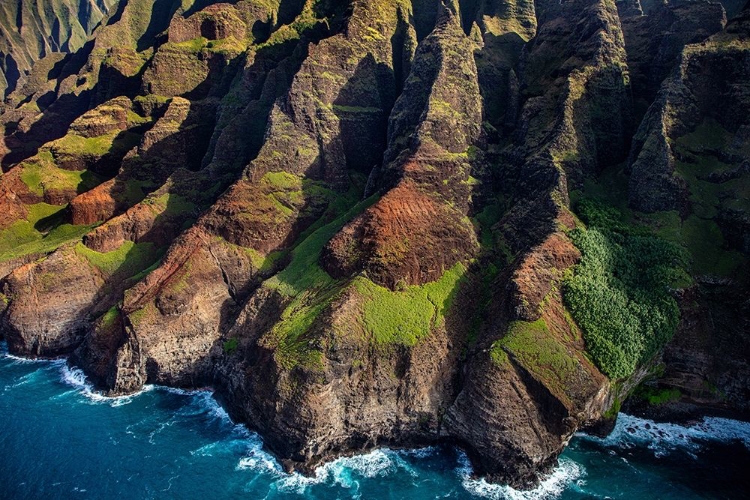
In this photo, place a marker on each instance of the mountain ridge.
(382, 223)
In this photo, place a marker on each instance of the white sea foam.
(24, 361)
(76, 378)
(663, 438)
(258, 460)
(346, 471)
(205, 399)
(552, 486)
(429, 451)
(184, 392)
(161, 427)
(20, 360)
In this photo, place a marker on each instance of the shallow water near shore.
(61, 440)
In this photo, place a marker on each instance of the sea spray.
(346, 472)
(76, 378)
(663, 438)
(182, 444)
(551, 486)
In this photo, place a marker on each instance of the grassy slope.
(408, 316)
(40, 233)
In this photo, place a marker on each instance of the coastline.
(384, 462)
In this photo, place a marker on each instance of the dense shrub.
(656, 396)
(620, 291)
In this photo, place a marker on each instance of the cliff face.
(689, 170)
(33, 30)
(392, 222)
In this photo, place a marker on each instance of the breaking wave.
(76, 378)
(236, 455)
(663, 438)
(550, 487)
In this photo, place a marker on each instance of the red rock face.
(399, 241)
(95, 205)
(535, 275)
(14, 196)
(342, 214)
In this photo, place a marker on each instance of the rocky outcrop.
(32, 328)
(356, 220)
(654, 42)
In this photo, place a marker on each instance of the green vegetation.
(39, 212)
(656, 396)
(614, 409)
(355, 109)
(194, 45)
(229, 46)
(39, 233)
(40, 174)
(305, 22)
(487, 218)
(135, 119)
(405, 317)
(284, 196)
(283, 180)
(138, 277)
(704, 240)
(309, 286)
(263, 263)
(294, 345)
(494, 253)
(488, 274)
(566, 156)
(699, 232)
(498, 354)
(43, 243)
(230, 346)
(108, 318)
(151, 100)
(114, 142)
(126, 261)
(532, 345)
(303, 272)
(170, 204)
(137, 317)
(134, 191)
(280, 36)
(620, 291)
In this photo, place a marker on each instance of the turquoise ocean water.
(60, 440)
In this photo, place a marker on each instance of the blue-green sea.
(61, 440)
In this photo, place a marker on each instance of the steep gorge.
(367, 223)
